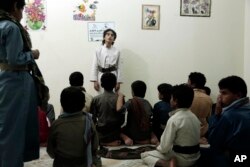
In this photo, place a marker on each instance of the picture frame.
(195, 8)
(151, 17)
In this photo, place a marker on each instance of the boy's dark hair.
(104, 34)
(234, 84)
(72, 99)
(197, 79)
(76, 79)
(184, 95)
(207, 90)
(108, 81)
(8, 5)
(166, 91)
(139, 88)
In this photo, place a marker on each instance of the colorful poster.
(35, 15)
(95, 30)
(85, 10)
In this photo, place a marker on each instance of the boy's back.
(73, 140)
(185, 127)
(182, 129)
(108, 120)
(103, 108)
(160, 117)
(68, 134)
(132, 129)
(180, 138)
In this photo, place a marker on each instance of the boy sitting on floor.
(138, 129)
(103, 107)
(161, 109)
(180, 138)
(73, 140)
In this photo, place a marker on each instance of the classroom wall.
(247, 44)
(211, 45)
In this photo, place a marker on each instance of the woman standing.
(19, 139)
(107, 59)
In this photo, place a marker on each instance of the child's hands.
(203, 140)
(117, 87)
(96, 86)
(35, 53)
(120, 101)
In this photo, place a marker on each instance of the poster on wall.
(198, 8)
(85, 10)
(95, 30)
(35, 15)
(151, 17)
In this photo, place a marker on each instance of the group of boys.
(73, 138)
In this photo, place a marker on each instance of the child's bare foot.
(154, 141)
(126, 139)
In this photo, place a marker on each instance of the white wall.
(213, 46)
(247, 44)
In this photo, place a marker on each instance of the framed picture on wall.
(197, 8)
(151, 17)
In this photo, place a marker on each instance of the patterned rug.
(124, 153)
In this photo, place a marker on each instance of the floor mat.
(124, 153)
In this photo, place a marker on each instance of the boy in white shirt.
(106, 59)
(180, 138)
